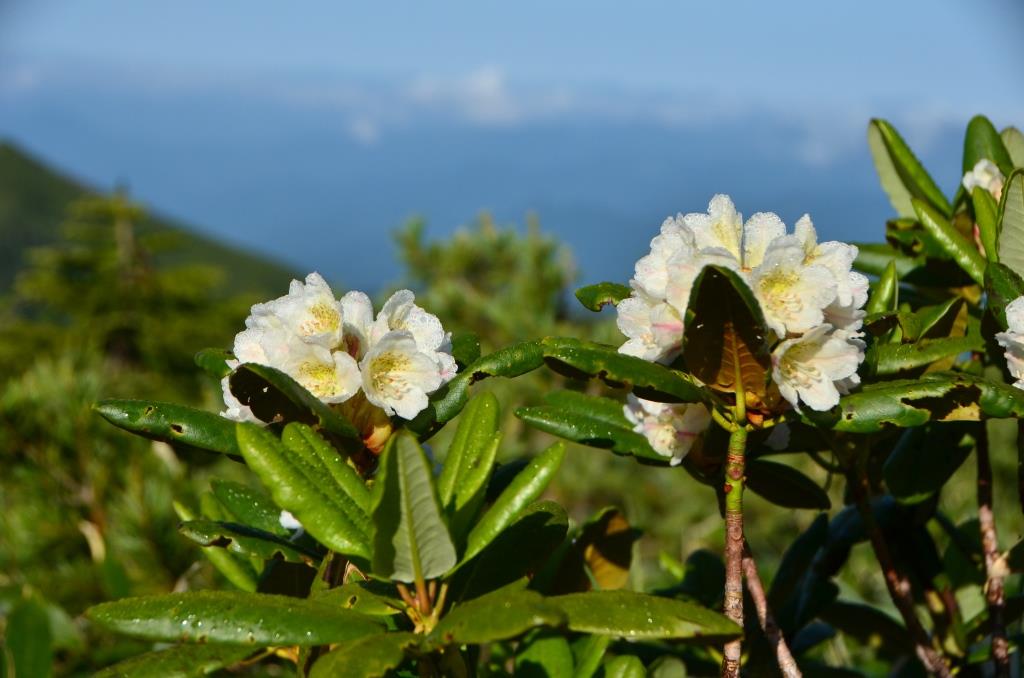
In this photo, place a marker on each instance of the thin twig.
(733, 598)
(787, 664)
(990, 546)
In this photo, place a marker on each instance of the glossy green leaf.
(462, 485)
(1013, 141)
(503, 614)
(579, 358)
(599, 556)
(543, 655)
(605, 409)
(273, 396)
(924, 459)
(521, 492)
(986, 215)
(796, 561)
(784, 486)
(902, 176)
(1011, 223)
(589, 651)
(870, 626)
(368, 657)
(623, 666)
(890, 359)
(410, 539)
(232, 617)
(176, 424)
(931, 322)
(874, 258)
(582, 428)
(246, 541)
(725, 340)
(248, 506)
(596, 297)
(367, 597)
(1002, 286)
(884, 292)
(465, 348)
(320, 455)
(914, 402)
(982, 141)
(639, 616)
(959, 248)
(306, 491)
(29, 639)
(180, 661)
(214, 361)
(237, 570)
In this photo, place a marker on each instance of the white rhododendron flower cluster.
(811, 299)
(670, 429)
(986, 175)
(1013, 340)
(337, 348)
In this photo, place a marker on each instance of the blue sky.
(237, 115)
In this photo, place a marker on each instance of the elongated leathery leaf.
(986, 215)
(236, 569)
(465, 348)
(181, 661)
(30, 639)
(410, 539)
(1011, 223)
(1002, 286)
(522, 491)
(321, 455)
(370, 597)
(172, 423)
(319, 504)
(368, 657)
(884, 292)
(596, 297)
(624, 666)
(901, 174)
(887, 359)
(214, 361)
(248, 506)
(273, 396)
(934, 397)
(637, 615)
(648, 380)
(1013, 141)
(955, 245)
(982, 142)
(232, 617)
(785, 486)
(462, 484)
(924, 459)
(586, 429)
(246, 541)
(543, 654)
(505, 613)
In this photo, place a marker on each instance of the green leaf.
(725, 341)
(647, 380)
(246, 541)
(703, 578)
(1013, 141)
(785, 486)
(214, 361)
(889, 359)
(368, 657)
(318, 454)
(638, 616)
(901, 173)
(367, 597)
(1011, 223)
(306, 491)
(585, 429)
(982, 141)
(232, 617)
(589, 652)
(1002, 286)
(874, 258)
(505, 613)
(953, 243)
(796, 561)
(176, 424)
(410, 539)
(237, 570)
(181, 661)
(596, 297)
(465, 348)
(931, 322)
(522, 491)
(462, 485)
(600, 554)
(623, 666)
(542, 655)
(273, 396)
(924, 459)
(938, 396)
(870, 626)
(986, 215)
(248, 506)
(29, 639)
(884, 292)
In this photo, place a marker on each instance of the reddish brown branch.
(990, 546)
(787, 664)
(733, 594)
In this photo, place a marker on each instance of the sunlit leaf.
(503, 614)
(901, 173)
(236, 569)
(596, 297)
(884, 291)
(982, 141)
(959, 248)
(367, 657)
(544, 654)
(1011, 223)
(176, 424)
(180, 661)
(986, 215)
(1013, 141)
(214, 361)
(1002, 286)
(248, 506)
(586, 429)
(246, 541)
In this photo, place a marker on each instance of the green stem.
(735, 469)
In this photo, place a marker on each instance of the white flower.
(397, 375)
(817, 367)
(235, 411)
(401, 313)
(309, 311)
(1013, 340)
(652, 271)
(654, 329)
(792, 294)
(288, 521)
(357, 317)
(986, 175)
(669, 428)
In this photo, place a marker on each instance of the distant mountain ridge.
(33, 203)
